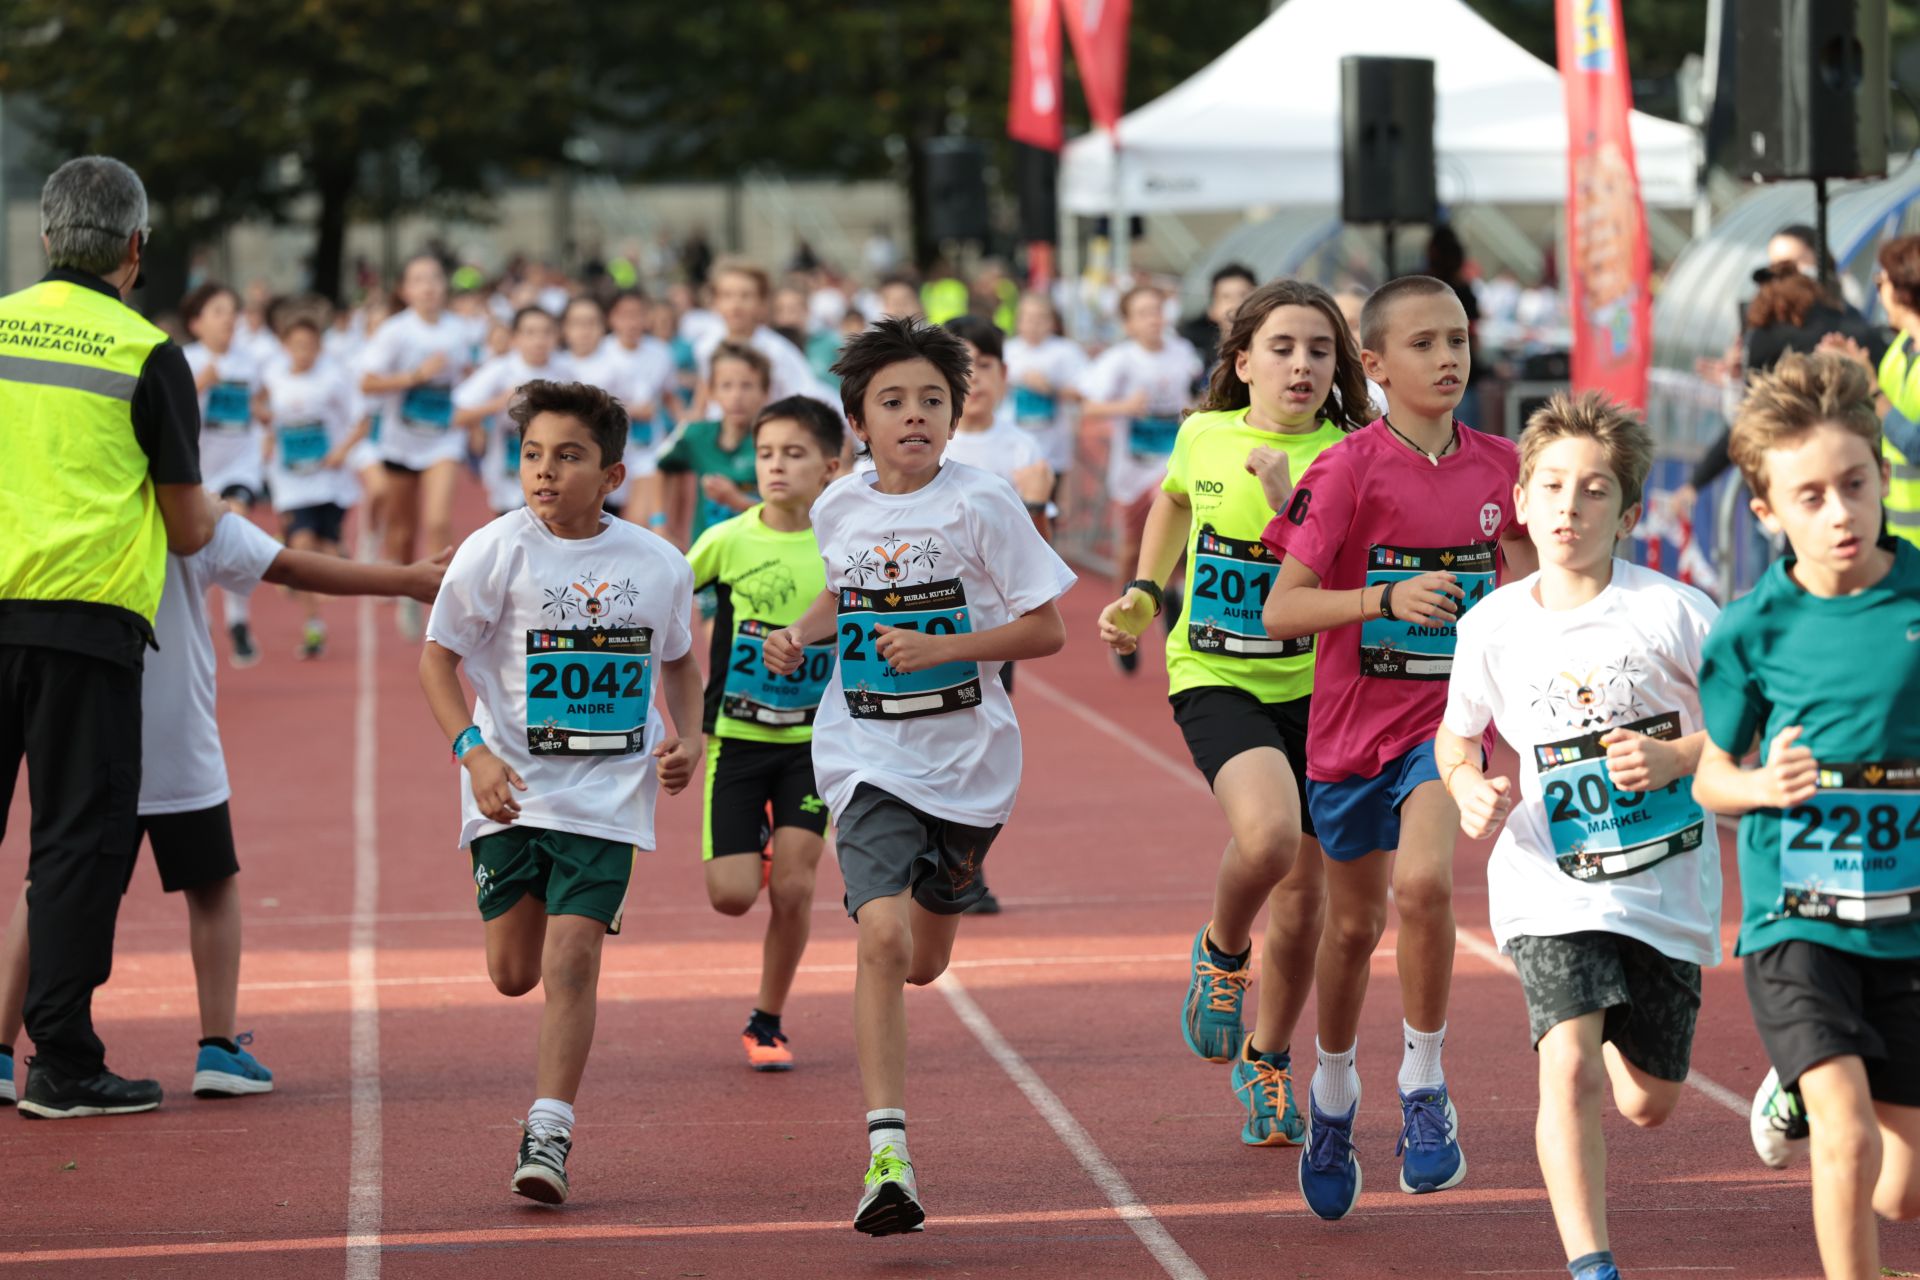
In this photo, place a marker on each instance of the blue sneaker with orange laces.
(1264, 1084)
(1210, 1019)
(1429, 1145)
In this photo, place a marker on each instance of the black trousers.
(76, 721)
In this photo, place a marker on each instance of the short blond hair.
(1592, 416)
(1789, 400)
(741, 267)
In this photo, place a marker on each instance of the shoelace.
(1270, 1080)
(1786, 1116)
(244, 1039)
(887, 1167)
(770, 1039)
(548, 1148)
(1220, 993)
(1425, 1128)
(1329, 1147)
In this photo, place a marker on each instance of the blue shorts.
(1355, 816)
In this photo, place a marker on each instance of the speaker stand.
(1386, 230)
(1827, 281)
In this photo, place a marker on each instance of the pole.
(1120, 241)
(1827, 282)
(1387, 228)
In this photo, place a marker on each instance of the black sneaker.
(244, 654)
(1127, 662)
(51, 1096)
(541, 1171)
(987, 905)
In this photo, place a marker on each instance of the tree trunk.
(334, 185)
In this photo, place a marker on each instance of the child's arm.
(335, 576)
(1636, 762)
(783, 650)
(1132, 406)
(1039, 633)
(1299, 606)
(492, 780)
(337, 456)
(1483, 802)
(1790, 775)
(679, 495)
(682, 691)
(1168, 522)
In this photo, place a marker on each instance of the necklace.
(1453, 440)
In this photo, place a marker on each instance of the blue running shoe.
(7, 1093)
(1265, 1087)
(219, 1074)
(1429, 1142)
(1210, 1022)
(1329, 1170)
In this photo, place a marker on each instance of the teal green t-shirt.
(1842, 869)
(699, 450)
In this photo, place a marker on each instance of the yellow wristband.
(1447, 782)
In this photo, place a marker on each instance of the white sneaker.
(1777, 1122)
(891, 1205)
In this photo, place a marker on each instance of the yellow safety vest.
(79, 520)
(1897, 378)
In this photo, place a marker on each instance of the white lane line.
(1171, 1257)
(364, 1185)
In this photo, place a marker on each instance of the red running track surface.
(1048, 1080)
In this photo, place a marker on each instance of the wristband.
(468, 739)
(1153, 591)
(658, 520)
(1446, 783)
(1386, 603)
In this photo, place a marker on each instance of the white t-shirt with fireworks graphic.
(562, 640)
(960, 555)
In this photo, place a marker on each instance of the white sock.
(552, 1115)
(1420, 1064)
(1336, 1085)
(887, 1127)
(239, 608)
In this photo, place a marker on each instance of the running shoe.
(313, 640)
(1210, 1020)
(891, 1205)
(540, 1172)
(1599, 1271)
(1128, 663)
(51, 1096)
(1778, 1123)
(219, 1074)
(244, 654)
(7, 1094)
(1329, 1169)
(410, 619)
(1266, 1090)
(766, 1049)
(1429, 1145)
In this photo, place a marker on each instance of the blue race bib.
(1850, 854)
(1230, 582)
(1152, 437)
(303, 446)
(1033, 408)
(588, 691)
(427, 409)
(510, 451)
(1395, 649)
(229, 406)
(1602, 833)
(754, 694)
(874, 690)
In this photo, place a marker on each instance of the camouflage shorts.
(1650, 1000)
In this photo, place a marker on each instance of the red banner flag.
(1607, 245)
(1098, 29)
(1033, 111)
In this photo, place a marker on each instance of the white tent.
(1260, 125)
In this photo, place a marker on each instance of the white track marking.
(1171, 1257)
(364, 1185)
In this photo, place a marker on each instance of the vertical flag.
(1034, 109)
(1607, 245)
(1098, 29)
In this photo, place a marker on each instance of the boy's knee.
(886, 946)
(513, 978)
(1846, 1142)
(791, 891)
(925, 971)
(1898, 1204)
(1268, 848)
(730, 901)
(1567, 1069)
(1423, 893)
(1648, 1110)
(1357, 929)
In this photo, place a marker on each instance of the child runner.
(983, 438)
(308, 412)
(1042, 367)
(765, 570)
(935, 576)
(1141, 384)
(1819, 667)
(364, 460)
(184, 795)
(709, 467)
(648, 383)
(1604, 884)
(1390, 534)
(740, 297)
(559, 613)
(1287, 387)
(480, 405)
(228, 376)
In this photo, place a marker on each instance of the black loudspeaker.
(1386, 140)
(954, 174)
(1810, 88)
(1038, 185)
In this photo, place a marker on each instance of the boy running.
(480, 405)
(935, 576)
(765, 570)
(1604, 884)
(1391, 534)
(709, 466)
(1819, 667)
(560, 614)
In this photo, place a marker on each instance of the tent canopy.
(1260, 125)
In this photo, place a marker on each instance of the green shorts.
(574, 875)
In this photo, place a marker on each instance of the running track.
(1059, 1124)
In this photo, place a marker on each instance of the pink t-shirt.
(1371, 510)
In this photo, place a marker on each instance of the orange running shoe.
(766, 1050)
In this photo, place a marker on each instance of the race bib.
(1395, 649)
(510, 452)
(1033, 409)
(1602, 833)
(1851, 853)
(755, 694)
(427, 409)
(588, 691)
(229, 406)
(1231, 579)
(1152, 437)
(303, 446)
(874, 690)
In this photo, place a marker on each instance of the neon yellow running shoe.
(891, 1205)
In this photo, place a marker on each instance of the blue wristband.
(469, 739)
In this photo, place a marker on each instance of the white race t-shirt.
(1137, 456)
(961, 555)
(792, 375)
(562, 640)
(1553, 682)
(650, 376)
(312, 414)
(1000, 450)
(229, 437)
(500, 468)
(1044, 414)
(182, 769)
(416, 425)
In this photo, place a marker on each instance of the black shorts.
(1220, 723)
(189, 849)
(244, 494)
(886, 846)
(1812, 1003)
(322, 520)
(753, 788)
(1650, 1000)
(399, 468)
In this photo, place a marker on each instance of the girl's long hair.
(1348, 404)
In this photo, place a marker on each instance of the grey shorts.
(1650, 1000)
(886, 845)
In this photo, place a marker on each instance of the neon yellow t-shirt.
(1219, 638)
(764, 580)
